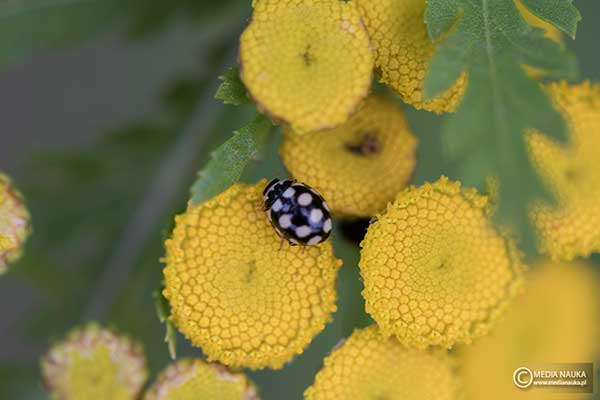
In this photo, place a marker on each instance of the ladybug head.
(273, 191)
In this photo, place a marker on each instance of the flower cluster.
(435, 270)
(359, 166)
(570, 228)
(237, 292)
(14, 223)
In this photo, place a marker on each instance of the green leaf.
(232, 90)
(490, 41)
(440, 15)
(230, 159)
(163, 312)
(560, 13)
(30, 25)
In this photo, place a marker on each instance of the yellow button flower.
(403, 51)
(307, 63)
(368, 366)
(14, 223)
(189, 379)
(572, 227)
(94, 363)
(236, 292)
(360, 166)
(556, 320)
(435, 270)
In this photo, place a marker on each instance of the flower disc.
(14, 223)
(307, 63)
(557, 319)
(435, 270)
(240, 294)
(195, 379)
(572, 227)
(359, 166)
(94, 363)
(369, 366)
(403, 51)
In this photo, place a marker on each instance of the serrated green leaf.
(440, 15)
(232, 90)
(489, 34)
(491, 42)
(560, 13)
(230, 159)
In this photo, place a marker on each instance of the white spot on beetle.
(289, 192)
(277, 206)
(285, 221)
(315, 240)
(316, 215)
(304, 199)
(303, 231)
(327, 225)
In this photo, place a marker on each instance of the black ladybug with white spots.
(297, 212)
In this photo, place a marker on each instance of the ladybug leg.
(281, 244)
(303, 248)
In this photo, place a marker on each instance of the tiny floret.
(359, 166)
(14, 223)
(307, 63)
(571, 227)
(370, 366)
(195, 379)
(403, 51)
(435, 269)
(94, 363)
(236, 292)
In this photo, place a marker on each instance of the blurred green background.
(106, 115)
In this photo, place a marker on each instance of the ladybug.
(297, 212)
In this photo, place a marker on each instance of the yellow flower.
(236, 293)
(360, 166)
(14, 223)
(556, 320)
(572, 227)
(435, 270)
(369, 366)
(307, 63)
(94, 363)
(403, 51)
(196, 379)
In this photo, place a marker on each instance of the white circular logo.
(523, 377)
